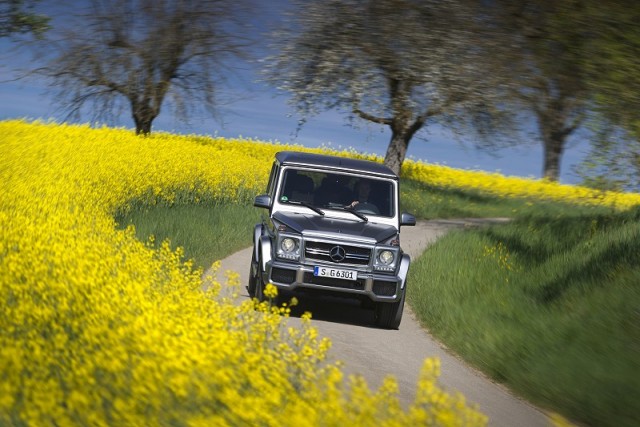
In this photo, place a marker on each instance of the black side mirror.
(262, 201)
(407, 219)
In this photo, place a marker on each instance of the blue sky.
(259, 112)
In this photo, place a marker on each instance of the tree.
(610, 61)
(397, 63)
(613, 161)
(141, 52)
(16, 17)
(540, 60)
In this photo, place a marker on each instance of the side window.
(273, 178)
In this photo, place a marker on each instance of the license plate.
(336, 273)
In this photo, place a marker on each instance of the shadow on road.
(331, 309)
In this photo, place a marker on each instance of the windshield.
(365, 195)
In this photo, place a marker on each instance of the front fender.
(257, 233)
(265, 251)
(403, 271)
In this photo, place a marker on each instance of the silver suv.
(333, 227)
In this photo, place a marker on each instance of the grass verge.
(207, 232)
(426, 201)
(548, 305)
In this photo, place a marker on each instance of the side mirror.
(262, 201)
(407, 219)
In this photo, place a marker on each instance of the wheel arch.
(403, 270)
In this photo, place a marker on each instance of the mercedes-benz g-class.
(333, 227)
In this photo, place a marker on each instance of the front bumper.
(376, 286)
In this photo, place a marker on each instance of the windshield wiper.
(358, 214)
(306, 205)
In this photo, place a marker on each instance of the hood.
(317, 225)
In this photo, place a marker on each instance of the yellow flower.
(101, 329)
(270, 291)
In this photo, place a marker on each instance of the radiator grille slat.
(321, 251)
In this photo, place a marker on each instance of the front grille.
(321, 251)
(357, 284)
(282, 275)
(385, 289)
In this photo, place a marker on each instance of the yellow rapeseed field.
(98, 328)
(500, 185)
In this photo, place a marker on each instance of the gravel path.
(375, 353)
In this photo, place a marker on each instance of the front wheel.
(256, 284)
(388, 315)
(259, 284)
(259, 294)
(253, 275)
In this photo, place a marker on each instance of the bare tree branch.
(372, 118)
(138, 53)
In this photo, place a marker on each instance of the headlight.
(288, 248)
(288, 244)
(385, 257)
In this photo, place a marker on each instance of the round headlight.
(288, 244)
(385, 257)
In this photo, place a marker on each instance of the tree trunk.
(557, 118)
(143, 116)
(553, 149)
(143, 126)
(397, 151)
(555, 129)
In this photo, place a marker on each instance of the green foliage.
(613, 162)
(610, 59)
(205, 231)
(547, 304)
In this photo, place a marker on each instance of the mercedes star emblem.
(337, 254)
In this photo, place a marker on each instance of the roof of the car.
(333, 162)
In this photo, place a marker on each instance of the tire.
(259, 294)
(388, 315)
(253, 274)
(257, 284)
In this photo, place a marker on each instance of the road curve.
(375, 353)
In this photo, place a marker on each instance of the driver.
(363, 190)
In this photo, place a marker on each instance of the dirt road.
(375, 353)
